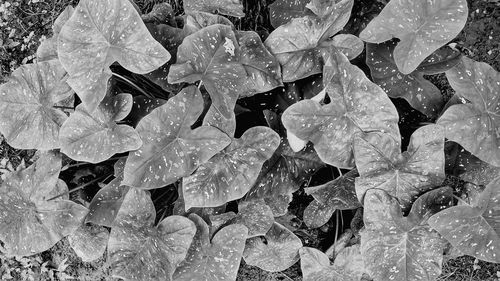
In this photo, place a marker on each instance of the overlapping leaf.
(357, 105)
(195, 21)
(30, 222)
(232, 8)
(170, 148)
(475, 125)
(141, 107)
(422, 27)
(89, 242)
(28, 117)
(137, 250)
(282, 11)
(231, 173)
(48, 47)
(403, 175)
(218, 259)
(98, 34)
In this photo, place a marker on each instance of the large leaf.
(28, 117)
(300, 44)
(395, 247)
(403, 175)
(170, 148)
(48, 47)
(232, 8)
(357, 105)
(95, 136)
(232, 172)
(212, 55)
(99, 33)
(422, 27)
(30, 223)
(282, 11)
(316, 266)
(473, 229)
(218, 259)
(137, 250)
(475, 125)
(420, 93)
(89, 242)
(280, 251)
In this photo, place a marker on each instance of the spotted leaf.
(89, 242)
(232, 8)
(256, 216)
(195, 21)
(282, 11)
(48, 47)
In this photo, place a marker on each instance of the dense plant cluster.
(160, 96)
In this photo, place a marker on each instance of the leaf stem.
(105, 177)
(63, 107)
(133, 85)
(199, 85)
(86, 163)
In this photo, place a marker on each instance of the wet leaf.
(29, 222)
(282, 11)
(280, 251)
(137, 250)
(232, 8)
(170, 149)
(89, 242)
(28, 117)
(357, 105)
(232, 172)
(218, 259)
(476, 124)
(98, 34)
(422, 27)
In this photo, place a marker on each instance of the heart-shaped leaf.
(137, 250)
(394, 247)
(218, 259)
(28, 117)
(48, 47)
(422, 27)
(473, 229)
(170, 148)
(282, 11)
(232, 8)
(89, 242)
(231, 173)
(357, 105)
(30, 220)
(475, 125)
(402, 175)
(98, 34)
(279, 253)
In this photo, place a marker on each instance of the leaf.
(137, 250)
(351, 262)
(141, 107)
(94, 136)
(475, 125)
(232, 8)
(256, 216)
(422, 27)
(431, 203)
(301, 44)
(98, 34)
(280, 251)
(282, 11)
(402, 175)
(231, 173)
(29, 222)
(394, 247)
(212, 56)
(89, 242)
(218, 259)
(170, 149)
(161, 13)
(195, 21)
(106, 203)
(357, 105)
(420, 93)
(473, 229)
(48, 48)
(28, 118)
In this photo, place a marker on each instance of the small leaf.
(89, 242)
(282, 11)
(232, 8)
(256, 216)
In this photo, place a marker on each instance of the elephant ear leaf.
(94, 136)
(231, 173)
(89, 242)
(395, 248)
(107, 31)
(106, 203)
(256, 216)
(218, 259)
(170, 149)
(27, 100)
(31, 220)
(233, 8)
(473, 229)
(282, 11)
(422, 27)
(475, 125)
(137, 250)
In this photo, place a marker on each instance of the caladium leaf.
(473, 229)
(420, 93)
(218, 259)
(403, 175)
(30, 222)
(137, 250)
(475, 125)
(89, 242)
(256, 216)
(351, 262)
(282, 11)
(395, 247)
(357, 105)
(233, 8)
(195, 21)
(48, 48)
(422, 27)
(231, 173)
(28, 117)
(94, 136)
(108, 31)
(170, 148)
